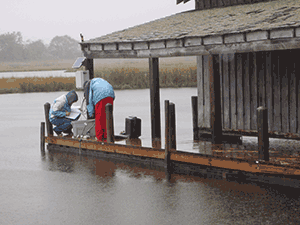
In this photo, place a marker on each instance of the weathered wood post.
(89, 65)
(167, 135)
(154, 102)
(43, 137)
(109, 123)
(170, 133)
(195, 117)
(263, 134)
(215, 99)
(172, 126)
(49, 125)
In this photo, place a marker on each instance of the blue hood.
(72, 97)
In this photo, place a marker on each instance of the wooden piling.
(195, 117)
(263, 134)
(167, 134)
(172, 126)
(154, 102)
(109, 123)
(89, 65)
(49, 125)
(42, 137)
(215, 99)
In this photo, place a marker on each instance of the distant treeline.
(14, 49)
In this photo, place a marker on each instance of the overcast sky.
(40, 19)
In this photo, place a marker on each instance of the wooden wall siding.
(207, 4)
(250, 80)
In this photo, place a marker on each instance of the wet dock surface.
(281, 151)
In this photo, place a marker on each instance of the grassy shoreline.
(121, 74)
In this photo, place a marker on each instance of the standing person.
(100, 93)
(61, 108)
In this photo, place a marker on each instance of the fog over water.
(61, 188)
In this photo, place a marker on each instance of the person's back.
(100, 93)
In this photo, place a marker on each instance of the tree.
(36, 50)
(11, 47)
(64, 47)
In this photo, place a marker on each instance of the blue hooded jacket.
(62, 104)
(99, 89)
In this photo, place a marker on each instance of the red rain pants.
(100, 118)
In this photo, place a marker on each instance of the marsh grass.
(36, 65)
(36, 84)
(122, 74)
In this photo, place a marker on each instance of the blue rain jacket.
(99, 89)
(61, 105)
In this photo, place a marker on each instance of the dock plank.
(240, 91)
(226, 92)
(276, 93)
(233, 88)
(206, 121)
(269, 89)
(293, 99)
(253, 84)
(200, 81)
(246, 85)
(283, 68)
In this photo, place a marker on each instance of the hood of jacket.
(72, 97)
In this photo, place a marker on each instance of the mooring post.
(263, 134)
(172, 126)
(215, 99)
(167, 135)
(89, 65)
(195, 117)
(49, 125)
(43, 137)
(154, 102)
(109, 123)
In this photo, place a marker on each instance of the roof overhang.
(261, 27)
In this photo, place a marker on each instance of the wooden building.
(247, 56)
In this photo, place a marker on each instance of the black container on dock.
(133, 127)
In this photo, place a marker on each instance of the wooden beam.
(179, 156)
(215, 99)
(109, 123)
(195, 117)
(251, 46)
(90, 67)
(154, 102)
(49, 125)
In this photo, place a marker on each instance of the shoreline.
(119, 74)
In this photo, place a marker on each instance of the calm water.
(52, 73)
(68, 189)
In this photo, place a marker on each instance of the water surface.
(69, 189)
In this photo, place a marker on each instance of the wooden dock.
(243, 165)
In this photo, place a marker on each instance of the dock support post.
(167, 136)
(172, 126)
(170, 134)
(263, 134)
(89, 65)
(49, 125)
(195, 117)
(154, 102)
(43, 137)
(109, 123)
(215, 99)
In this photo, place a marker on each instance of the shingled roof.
(211, 26)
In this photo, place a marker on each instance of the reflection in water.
(60, 188)
(137, 194)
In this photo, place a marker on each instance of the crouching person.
(61, 108)
(100, 93)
